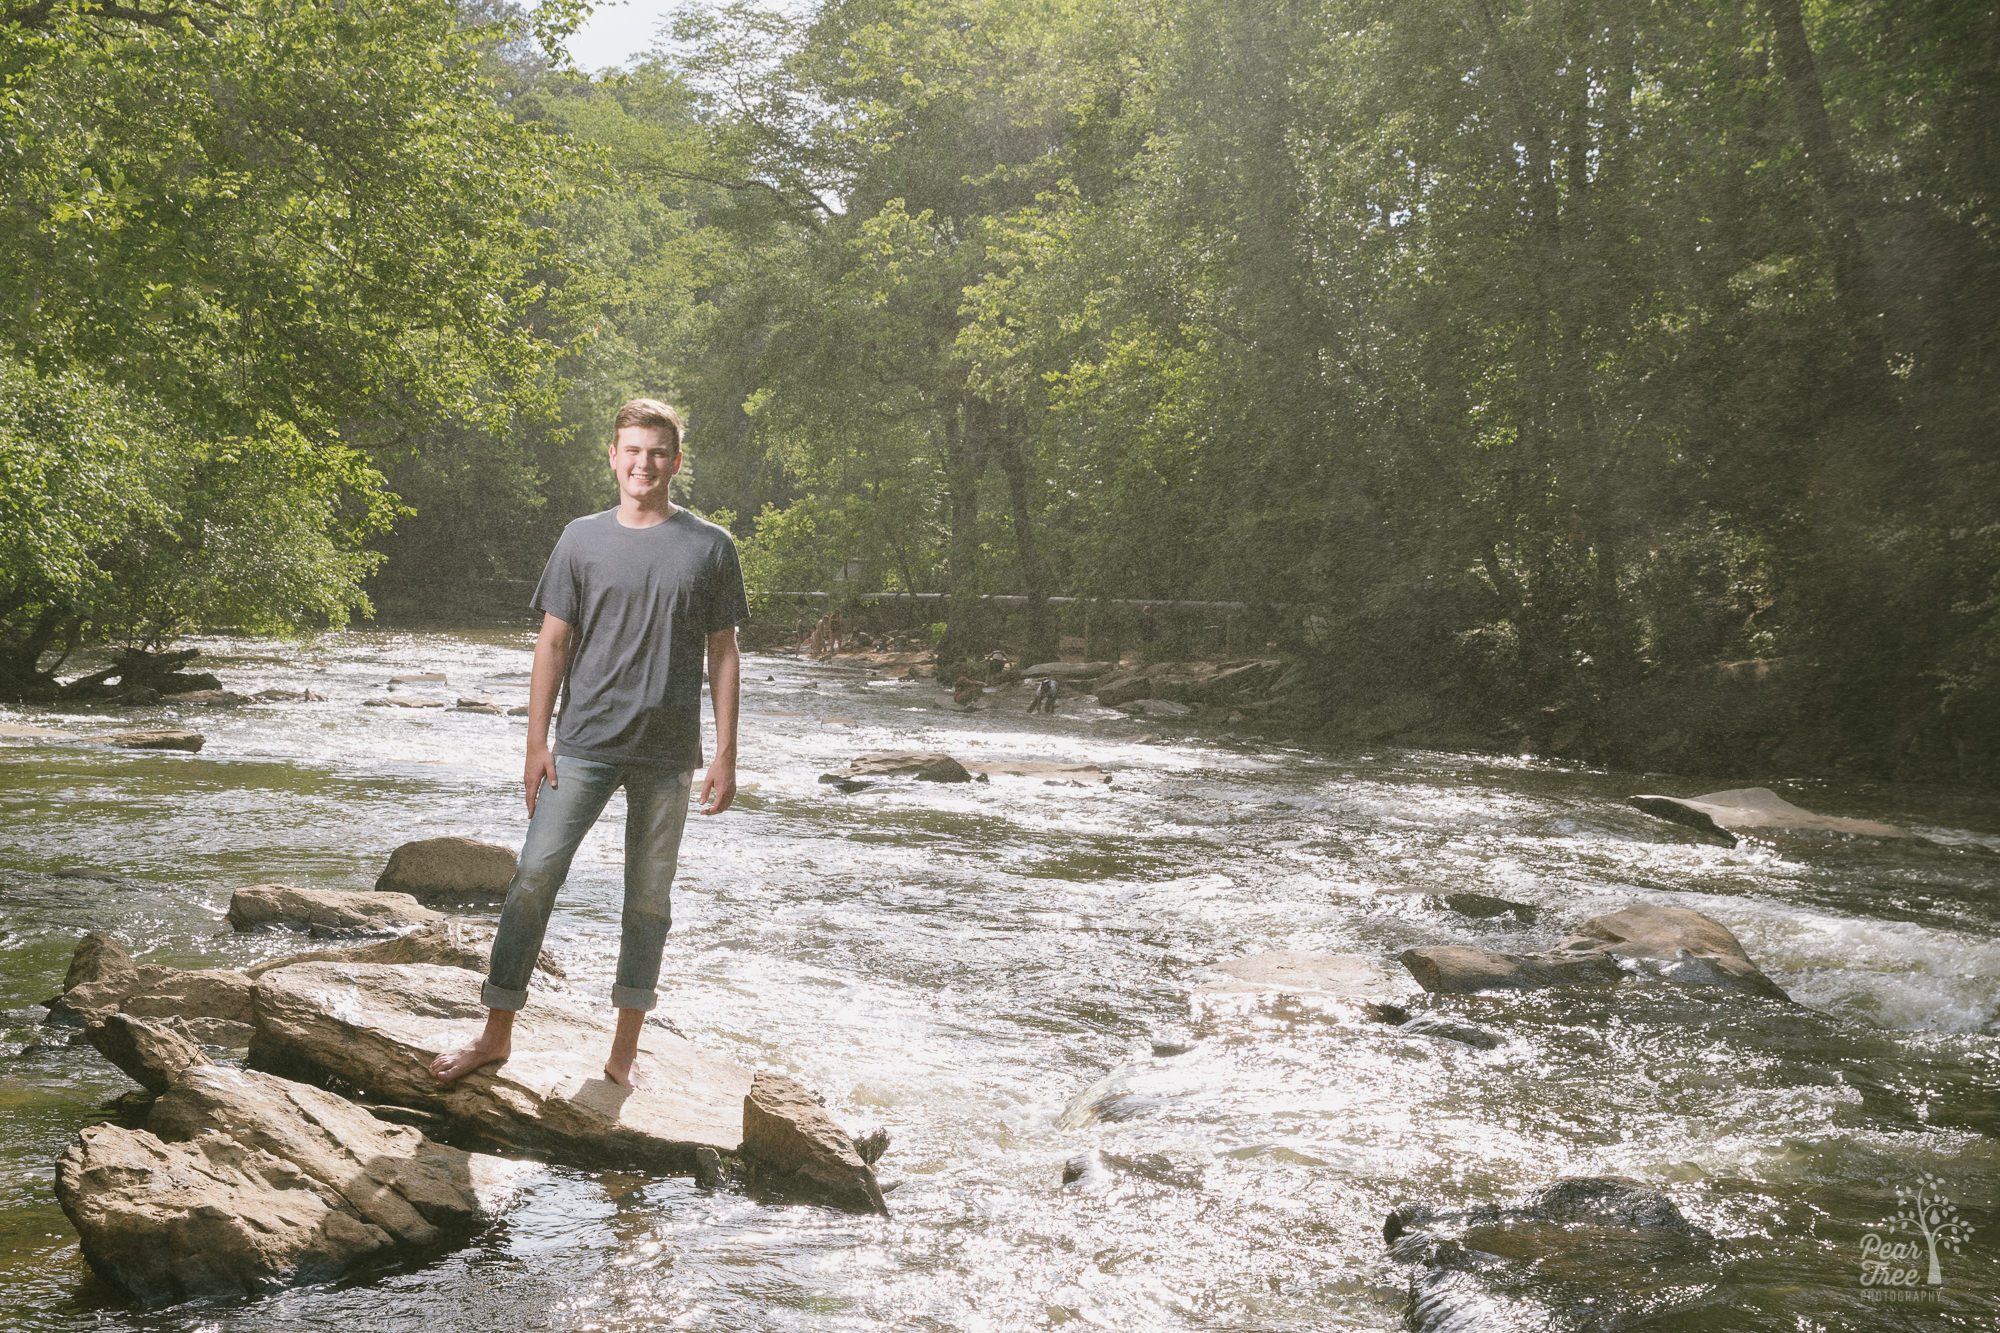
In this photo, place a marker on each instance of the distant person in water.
(632, 601)
(1045, 696)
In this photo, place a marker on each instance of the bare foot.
(625, 1073)
(476, 1054)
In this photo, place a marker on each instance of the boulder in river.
(1296, 972)
(1675, 944)
(394, 701)
(1049, 770)
(154, 738)
(326, 911)
(1124, 687)
(103, 980)
(242, 1182)
(379, 1027)
(453, 868)
(152, 1051)
(1450, 969)
(1468, 903)
(491, 707)
(799, 1149)
(924, 766)
(1586, 1253)
(1731, 815)
(1669, 943)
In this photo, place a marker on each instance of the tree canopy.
(1563, 365)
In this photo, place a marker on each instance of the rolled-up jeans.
(656, 803)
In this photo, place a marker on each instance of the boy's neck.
(632, 514)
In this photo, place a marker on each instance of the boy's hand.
(541, 764)
(718, 789)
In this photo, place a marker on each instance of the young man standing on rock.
(631, 601)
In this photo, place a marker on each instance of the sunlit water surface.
(976, 967)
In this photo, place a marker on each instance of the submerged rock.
(1467, 903)
(1587, 1253)
(1451, 969)
(403, 701)
(1758, 810)
(378, 1027)
(1295, 972)
(450, 868)
(242, 1182)
(326, 911)
(153, 1051)
(924, 766)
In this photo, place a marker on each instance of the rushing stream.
(1007, 975)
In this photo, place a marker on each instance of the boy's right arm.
(551, 664)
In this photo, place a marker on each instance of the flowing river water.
(1008, 975)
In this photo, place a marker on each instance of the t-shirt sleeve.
(726, 603)
(558, 594)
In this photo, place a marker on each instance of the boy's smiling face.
(644, 459)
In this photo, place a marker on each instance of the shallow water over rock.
(986, 969)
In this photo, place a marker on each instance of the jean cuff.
(499, 997)
(631, 997)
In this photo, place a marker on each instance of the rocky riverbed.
(1151, 1050)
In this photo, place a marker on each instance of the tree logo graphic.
(1924, 1212)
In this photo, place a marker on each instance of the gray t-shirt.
(641, 603)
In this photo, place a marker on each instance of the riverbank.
(1734, 727)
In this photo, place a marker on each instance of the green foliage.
(254, 245)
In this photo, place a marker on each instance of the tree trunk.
(964, 461)
(1009, 447)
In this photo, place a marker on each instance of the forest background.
(1604, 376)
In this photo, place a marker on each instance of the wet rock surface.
(924, 766)
(378, 1027)
(1592, 1254)
(242, 1182)
(800, 1151)
(327, 911)
(153, 738)
(1670, 944)
(1753, 811)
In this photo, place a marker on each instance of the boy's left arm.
(724, 685)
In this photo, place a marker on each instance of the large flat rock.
(1759, 810)
(327, 911)
(379, 1026)
(242, 1182)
